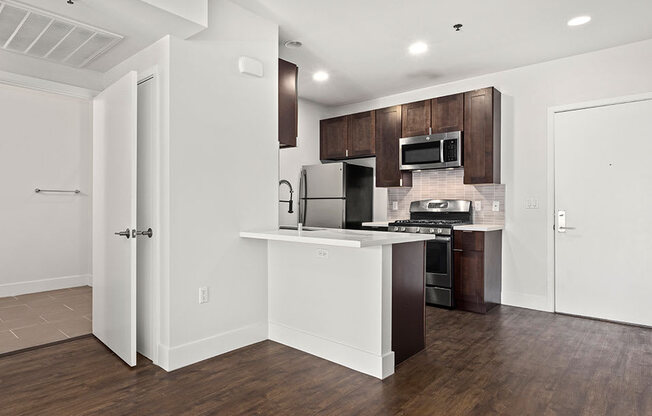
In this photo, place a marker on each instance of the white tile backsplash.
(447, 184)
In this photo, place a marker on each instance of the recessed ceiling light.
(320, 76)
(293, 44)
(579, 20)
(418, 48)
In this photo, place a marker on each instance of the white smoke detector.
(40, 34)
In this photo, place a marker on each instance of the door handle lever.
(125, 233)
(149, 233)
(566, 228)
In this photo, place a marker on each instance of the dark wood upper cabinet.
(388, 131)
(362, 134)
(482, 136)
(416, 118)
(288, 117)
(333, 138)
(448, 113)
(377, 132)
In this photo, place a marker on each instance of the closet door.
(114, 217)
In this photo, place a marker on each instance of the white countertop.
(337, 237)
(479, 227)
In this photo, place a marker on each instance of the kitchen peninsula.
(349, 296)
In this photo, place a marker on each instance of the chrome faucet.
(289, 201)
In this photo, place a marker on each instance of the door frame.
(550, 165)
(153, 75)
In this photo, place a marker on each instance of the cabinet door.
(287, 104)
(416, 118)
(482, 136)
(469, 279)
(448, 113)
(333, 138)
(362, 134)
(388, 131)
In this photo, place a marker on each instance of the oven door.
(420, 153)
(438, 263)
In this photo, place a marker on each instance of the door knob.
(149, 233)
(125, 233)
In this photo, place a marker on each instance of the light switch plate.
(477, 205)
(496, 206)
(394, 205)
(531, 203)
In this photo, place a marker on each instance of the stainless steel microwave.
(433, 151)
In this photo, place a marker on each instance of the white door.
(603, 188)
(114, 211)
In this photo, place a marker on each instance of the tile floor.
(44, 317)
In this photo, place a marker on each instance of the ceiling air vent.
(43, 35)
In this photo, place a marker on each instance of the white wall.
(45, 142)
(528, 92)
(306, 153)
(223, 179)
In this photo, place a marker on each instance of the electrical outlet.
(203, 294)
(394, 205)
(478, 205)
(496, 206)
(322, 253)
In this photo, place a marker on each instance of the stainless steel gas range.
(437, 216)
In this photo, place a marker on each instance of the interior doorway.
(603, 230)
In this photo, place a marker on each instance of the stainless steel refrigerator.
(336, 195)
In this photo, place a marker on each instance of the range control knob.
(402, 229)
(432, 231)
(393, 228)
(439, 230)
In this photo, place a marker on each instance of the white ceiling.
(363, 43)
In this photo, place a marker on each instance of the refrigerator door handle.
(302, 194)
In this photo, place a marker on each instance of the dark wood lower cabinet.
(408, 300)
(477, 270)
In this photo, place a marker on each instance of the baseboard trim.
(33, 286)
(524, 300)
(173, 358)
(379, 366)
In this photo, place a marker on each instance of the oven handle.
(442, 239)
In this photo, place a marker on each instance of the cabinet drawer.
(469, 240)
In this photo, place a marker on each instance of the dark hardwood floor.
(510, 361)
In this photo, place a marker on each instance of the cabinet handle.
(347, 152)
(457, 249)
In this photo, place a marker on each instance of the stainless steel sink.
(294, 227)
